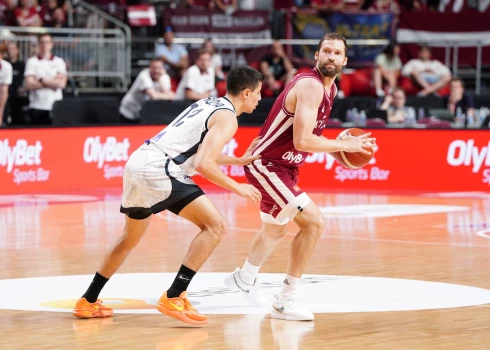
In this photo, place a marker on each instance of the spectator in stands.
(458, 98)
(6, 12)
(47, 11)
(216, 61)
(277, 68)
(395, 106)
(430, 75)
(16, 91)
(27, 14)
(173, 55)
(198, 81)
(203, 4)
(45, 77)
(227, 6)
(327, 5)
(5, 81)
(152, 83)
(387, 66)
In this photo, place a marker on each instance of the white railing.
(97, 53)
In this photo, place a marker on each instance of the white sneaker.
(286, 307)
(250, 292)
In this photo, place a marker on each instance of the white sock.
(249, 272)
(289, 284)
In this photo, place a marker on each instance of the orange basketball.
(353, 160)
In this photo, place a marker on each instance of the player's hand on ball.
(358, 143)
(248, 191)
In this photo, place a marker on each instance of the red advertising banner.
(44, 160)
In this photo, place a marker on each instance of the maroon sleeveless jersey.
(277, 132)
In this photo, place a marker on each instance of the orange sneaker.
(84, 309)
(181, 309)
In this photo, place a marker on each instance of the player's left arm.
(246, 159)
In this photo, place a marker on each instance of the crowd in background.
(175, 74)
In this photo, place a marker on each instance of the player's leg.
(281, 201)
(285, 305)
(245, 279)
(88, 306)
(311, 223)
(136, 204)
(264, 242)
(204, 214)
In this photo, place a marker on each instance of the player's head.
(45, 44)
(245, 83)
(203, 59)
(331, 55)
(156, 69)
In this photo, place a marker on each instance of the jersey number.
(192, 112)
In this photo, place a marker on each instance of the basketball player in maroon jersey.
(292, 130)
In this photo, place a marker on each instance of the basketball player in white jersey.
(157, 177)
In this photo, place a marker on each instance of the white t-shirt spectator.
(196, 81)
(5, 73)
(388, 65)
(43, 99)
(133, 101)
(431, 67)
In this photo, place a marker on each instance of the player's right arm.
(309, 95)
(222, 126)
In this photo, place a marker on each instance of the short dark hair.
(332, 36)
(240, 78)
(425, 47)
(156, 59)
(201, 52)
(43, 35)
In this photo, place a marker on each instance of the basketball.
(353, 160)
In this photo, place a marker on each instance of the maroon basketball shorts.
(282, 199)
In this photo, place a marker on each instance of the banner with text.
(44, 160)
(307, 25)
(189, 23)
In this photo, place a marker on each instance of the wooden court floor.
(389, 272)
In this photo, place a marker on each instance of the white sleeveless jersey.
(181, 139)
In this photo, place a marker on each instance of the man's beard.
(329, 71)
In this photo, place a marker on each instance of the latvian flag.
(142, 15)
